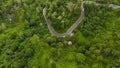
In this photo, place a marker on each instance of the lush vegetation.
(25, 40)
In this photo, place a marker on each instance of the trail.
(69, 31)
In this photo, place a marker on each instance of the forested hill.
(26, 42)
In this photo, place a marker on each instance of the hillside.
(26, 42)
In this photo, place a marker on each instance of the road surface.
(69, 31)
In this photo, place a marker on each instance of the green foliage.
(25, 41)
(80, 57)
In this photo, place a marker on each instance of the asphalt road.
(69, 31)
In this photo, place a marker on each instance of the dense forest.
(26, 42)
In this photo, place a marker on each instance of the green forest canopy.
(25, 40)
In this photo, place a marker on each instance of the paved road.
(69, 31)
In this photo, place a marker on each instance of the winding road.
(69, 31)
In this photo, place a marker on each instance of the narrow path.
(69, 31)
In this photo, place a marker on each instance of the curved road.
(69, 31)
